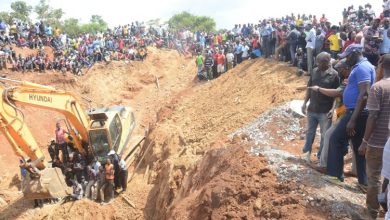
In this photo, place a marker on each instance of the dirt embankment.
(229, 184)
(201, 118)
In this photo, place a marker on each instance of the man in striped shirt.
(375, 136)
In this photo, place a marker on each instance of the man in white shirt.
(229, 59)
(245, 49)
(310, 45)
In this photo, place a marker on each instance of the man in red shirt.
(221, 63)
(280, 40)
(323, 19)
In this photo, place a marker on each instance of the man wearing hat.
(114, 158)
(352, 123)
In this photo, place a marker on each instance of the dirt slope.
(202, 118)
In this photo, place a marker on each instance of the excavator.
(93, 132)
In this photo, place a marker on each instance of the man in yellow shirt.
(299, 21)
(57, 32)
(334, 43)
(13, 31)
(215, 39)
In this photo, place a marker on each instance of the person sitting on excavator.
(61, 142)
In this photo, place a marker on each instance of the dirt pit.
(194, 168)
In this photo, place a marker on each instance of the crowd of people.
(296, 39)
(71, 53)
(88, 177)
(348, 65)
(92, 181)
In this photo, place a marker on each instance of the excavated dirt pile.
(201, 118)
(229, 184)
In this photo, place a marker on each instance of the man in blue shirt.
(353, 122)
(238, 52)
(266, 35)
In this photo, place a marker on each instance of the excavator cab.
(110, 129)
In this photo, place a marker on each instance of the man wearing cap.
(114, 158)
(373, 38)
(320, 107)
(109, 173)
(353, 122)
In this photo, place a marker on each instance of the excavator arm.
(46, 97)
(48, 182)
(18, 135)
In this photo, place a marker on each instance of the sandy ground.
(196, 169)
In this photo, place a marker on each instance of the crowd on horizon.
(296, 39)
(70, 53)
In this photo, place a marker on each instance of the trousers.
(338, 147)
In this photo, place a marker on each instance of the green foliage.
(96, 24)
(47, 14)
(71, 26)
(5, 16)
(154, 22)
(191, 22)
(20, 10)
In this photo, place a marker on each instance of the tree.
(47, 14)
(71, 26)
(191, 22)
(96, 24)
(20, 10)
(5, 16)
(154, 22)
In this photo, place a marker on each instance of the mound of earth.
(237, 186)
(202, 117)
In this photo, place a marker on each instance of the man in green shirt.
(199, 63)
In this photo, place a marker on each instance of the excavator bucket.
(50, 184)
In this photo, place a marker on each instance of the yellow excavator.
(93, 132)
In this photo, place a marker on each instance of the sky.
(226, 13)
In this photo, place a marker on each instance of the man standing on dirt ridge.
(375, 136)
(320, 109)
(353, 122)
